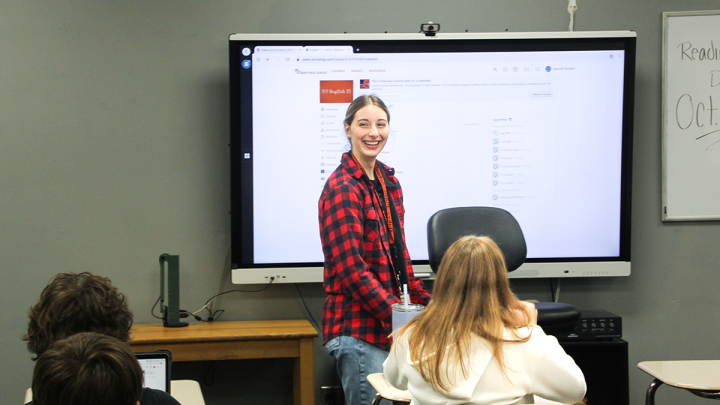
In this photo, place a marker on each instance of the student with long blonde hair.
(476, 343)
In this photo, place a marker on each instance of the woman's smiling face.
(368, 134)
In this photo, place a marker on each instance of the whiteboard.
(691, 116)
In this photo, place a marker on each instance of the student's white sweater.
(539, 366)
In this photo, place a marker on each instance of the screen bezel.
(241, 120)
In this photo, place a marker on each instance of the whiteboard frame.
(665, 218)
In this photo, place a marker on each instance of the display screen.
(539, 126)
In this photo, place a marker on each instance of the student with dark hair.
(361, 216)
(87, 369)
(476, 343)
(74, 303)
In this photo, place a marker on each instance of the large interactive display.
(539, 124)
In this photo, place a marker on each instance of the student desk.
(236, 341)
(701, 377)
(187, 392)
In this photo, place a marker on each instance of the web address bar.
(334, 59)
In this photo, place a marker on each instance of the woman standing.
(361, 218)
(476, 343)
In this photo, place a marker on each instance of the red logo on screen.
(336, 91)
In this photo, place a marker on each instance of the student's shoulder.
(342, 182)
(543, 345)
(156, 397)
(537, 339)
(342, 178)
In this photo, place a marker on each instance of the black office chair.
(448, 225)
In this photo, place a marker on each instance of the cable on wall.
(555, 290)
(572, 6)
(223, 277)
(315, 324)
(216, 314)
(213, 314)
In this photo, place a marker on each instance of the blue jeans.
(355, 359)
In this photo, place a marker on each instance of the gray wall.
(113, 150)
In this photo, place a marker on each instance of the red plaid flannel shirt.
(359, 281)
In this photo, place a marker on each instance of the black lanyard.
(397, 247)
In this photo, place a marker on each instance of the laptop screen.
(156, 367)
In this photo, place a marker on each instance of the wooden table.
(701, 377)
(238, 340)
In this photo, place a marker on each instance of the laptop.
(156, 367)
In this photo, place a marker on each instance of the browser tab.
(278, 49)
(330, 49)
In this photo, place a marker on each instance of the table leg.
(650, 394)
(304, 374)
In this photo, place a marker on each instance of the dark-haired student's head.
(73, 303)
(87, 369)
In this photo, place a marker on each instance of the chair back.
(448, 225)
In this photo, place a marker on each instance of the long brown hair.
(471, 297)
